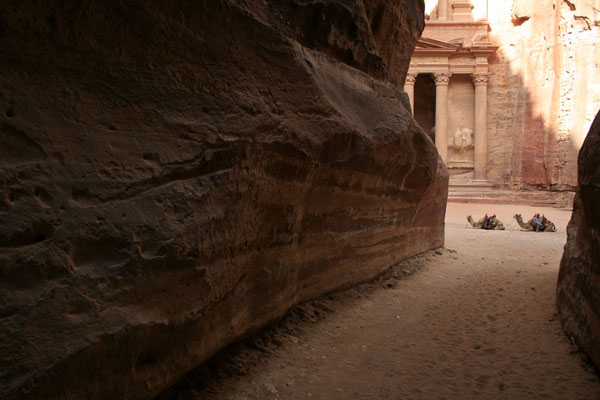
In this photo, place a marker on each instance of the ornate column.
(409, 88)
(442, 10)
(487, 11)
(442, 80)
(480, 80)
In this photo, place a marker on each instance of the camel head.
(517, 216)
(469, 218)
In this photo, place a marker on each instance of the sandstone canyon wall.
(544, 91)
(578, 294)
(175, 175)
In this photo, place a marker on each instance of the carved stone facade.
(459, 70)
(525, 79)
(481, 78)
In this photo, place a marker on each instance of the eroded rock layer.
(579, 278)
(175, 175)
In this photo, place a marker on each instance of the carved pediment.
(432, 44)
(427, 47)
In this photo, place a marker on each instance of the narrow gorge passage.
(475, 321)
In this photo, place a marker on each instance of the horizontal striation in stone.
(176, 175)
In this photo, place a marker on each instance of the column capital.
(481, 78)
(442, 78)
(411, 77)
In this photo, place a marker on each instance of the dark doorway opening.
(425, 103)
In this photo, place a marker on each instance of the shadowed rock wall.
(396, 29)
(175, 175)
(579, 277)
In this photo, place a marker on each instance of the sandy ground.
(475, 320)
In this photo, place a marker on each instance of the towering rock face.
(175, 175)
(543, 94)
(579, 278)
(395, 29)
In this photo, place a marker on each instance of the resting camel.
(493, 223)
(547, 225)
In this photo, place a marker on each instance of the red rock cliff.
(543, 94)
(176, 175)
(579, 277)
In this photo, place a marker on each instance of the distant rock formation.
(177, 174)
(578, 292)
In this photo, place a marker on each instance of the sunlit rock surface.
(544, 91)
(579, 278)
(175, 175)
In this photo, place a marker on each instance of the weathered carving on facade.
(429, 60)
(480, 39)
(481, 78)
(463, 140)
(442, 78)
(410, 78)
(462, 61)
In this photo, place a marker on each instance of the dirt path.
(476, 321)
